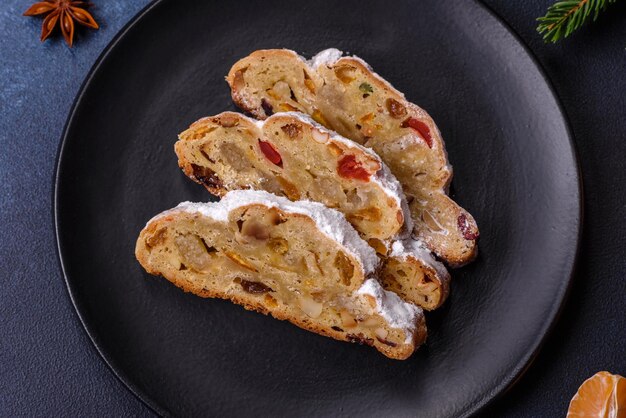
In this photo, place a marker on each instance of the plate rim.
(512, 377)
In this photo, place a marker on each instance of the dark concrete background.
(48, 367)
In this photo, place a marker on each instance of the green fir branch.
(565, 16)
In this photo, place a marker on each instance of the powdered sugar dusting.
(410, 247)
(389, 182)
(325, 57)
(329, 221)
(397, 313)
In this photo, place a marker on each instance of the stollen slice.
(298, 261)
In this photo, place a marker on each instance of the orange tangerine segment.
(603, 395)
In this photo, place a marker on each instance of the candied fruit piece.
(270, 153)
(465, 229)
(345, 267)
(348, 167)
(421, 128)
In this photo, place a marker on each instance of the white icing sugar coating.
(409, 247)
(389, 181)
(397, 313)
(329, 221)
(325, 57)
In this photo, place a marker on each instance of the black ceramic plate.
(515, 170)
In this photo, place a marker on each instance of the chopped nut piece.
(372, 164)
(318, 136)
(193, 251)
(282, 89)
(431, 222)
(381, 332)
(347, 320)
(310, 306)
(312, 265)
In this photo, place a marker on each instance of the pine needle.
(566, 16)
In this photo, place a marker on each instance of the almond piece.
(430, 221)
(193, 251)
(319, 136)
(347, 320)
(310, 307)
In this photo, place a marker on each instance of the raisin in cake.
(289, 154)
(298, 261)
(344, 94)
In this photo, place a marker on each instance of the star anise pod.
(63, 12)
